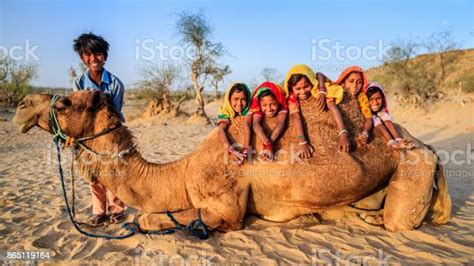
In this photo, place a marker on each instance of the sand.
(33, 217)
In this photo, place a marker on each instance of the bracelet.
(391, 142)
(365, 133)
(303, 143)
(342, 132)
(302, 137)
(230, 150)
(245, 151)
(268, 146)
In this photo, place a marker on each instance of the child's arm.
(276, 132)
(237, 157)
(364, 135)
(344, 144)
(391, 129)
(305, 149)
(267, 143)
(247, 133)
(321, 104)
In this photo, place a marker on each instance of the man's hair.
(89, 42)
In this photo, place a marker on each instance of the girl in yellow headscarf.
(300, 84)
(237, 100)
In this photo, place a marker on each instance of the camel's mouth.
(24, 127)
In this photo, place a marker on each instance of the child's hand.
(363, 137)
(268, 151)
(236, 156)
(305, 150)
(344, 144)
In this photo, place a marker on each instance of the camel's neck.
(138, 183)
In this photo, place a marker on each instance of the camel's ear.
(96, 100)
(63, 102)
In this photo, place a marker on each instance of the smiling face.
(376, 101)
(302, 89)
(94, 61)
(238, 101)
(353, 83)
(269, 105)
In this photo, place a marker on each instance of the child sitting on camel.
(269, 100)
(301, 84)
(354, 81)
(382, 119)
(236, 103)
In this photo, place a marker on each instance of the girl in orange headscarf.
(354, 81)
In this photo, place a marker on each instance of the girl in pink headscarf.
(382, 119)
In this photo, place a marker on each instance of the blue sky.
(256, 34)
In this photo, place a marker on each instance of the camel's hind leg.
(410, 190)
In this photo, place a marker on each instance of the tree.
(218, 74)
(196, 32)
(271, 74)
(14, 80)
(157, 84)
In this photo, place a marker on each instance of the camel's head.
(32, 111)
(78, 114)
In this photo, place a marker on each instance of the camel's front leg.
(161, 221)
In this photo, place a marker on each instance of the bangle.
(302, 137)
(342, 132)
(245, 151)
(365, 133)
(230, 150)
(268, 146)
(391, 142)
(303, 143)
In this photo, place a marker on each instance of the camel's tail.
(441, 204)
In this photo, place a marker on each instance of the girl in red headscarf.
(269, 100)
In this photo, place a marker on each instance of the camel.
(225, 192)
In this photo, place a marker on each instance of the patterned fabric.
(226, 113)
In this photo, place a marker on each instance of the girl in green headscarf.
(236, 103)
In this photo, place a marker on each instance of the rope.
(195, 227)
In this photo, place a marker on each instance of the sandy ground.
(33, 217)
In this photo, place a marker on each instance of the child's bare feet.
(405, 143)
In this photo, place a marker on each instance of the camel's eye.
(63, 104)
(21, 105)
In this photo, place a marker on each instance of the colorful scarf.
(332, 91)
(226, 112)
(361, 96)
(275, 89)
